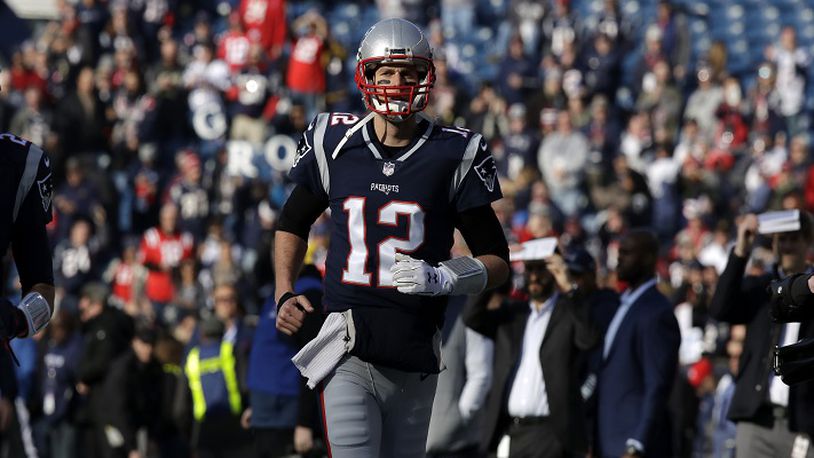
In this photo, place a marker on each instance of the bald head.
(638, 254)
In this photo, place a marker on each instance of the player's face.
(396, 75)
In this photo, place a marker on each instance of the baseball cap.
(578, 260)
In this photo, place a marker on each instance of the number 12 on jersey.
(355, 272)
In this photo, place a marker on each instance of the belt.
(768, 413)
(526, 421)
(779, 411)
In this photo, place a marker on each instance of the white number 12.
(354, 272)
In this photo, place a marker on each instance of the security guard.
(212, 372)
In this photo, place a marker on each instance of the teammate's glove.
(25, 319)
(464, 275)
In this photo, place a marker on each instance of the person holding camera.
(773, 419)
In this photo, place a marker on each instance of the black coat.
(569, 334)
(744, 300)
(105, 338)
(133, 398)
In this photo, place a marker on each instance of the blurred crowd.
(171, 124)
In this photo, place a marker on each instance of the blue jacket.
(635, 379)
(58, 378)
(270, 368)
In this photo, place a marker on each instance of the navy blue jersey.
(407, 203)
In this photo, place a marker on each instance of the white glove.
(414, 276)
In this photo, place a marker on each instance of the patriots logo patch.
(46, 189)
(487, 172)
(302, 149)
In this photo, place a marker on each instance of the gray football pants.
(376, 412)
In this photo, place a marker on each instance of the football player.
(397, 186)
(25, 208)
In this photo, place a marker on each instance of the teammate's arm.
(290, 243)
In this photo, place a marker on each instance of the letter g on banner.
(209, 122)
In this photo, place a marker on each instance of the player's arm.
(32, 256)
(290, 243)
(484, 235)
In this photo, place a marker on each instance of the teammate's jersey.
(25, 192)
(407, 203)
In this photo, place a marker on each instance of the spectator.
(601, 66)
(81, 118)
(161, 252)
(33, 122)
(792, 63)
(562, 158)
(535, 397)
(703, 102)
(132, 401)
(106, 334)
(306, 75)
(234, 45)
(265, 23)
(75, 262)
(56, 429)
(516, 79)
(186, 192)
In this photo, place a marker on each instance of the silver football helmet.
(394, 41)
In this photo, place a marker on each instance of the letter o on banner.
(209, 122)
(280, 151)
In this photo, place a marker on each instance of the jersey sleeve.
(30, 246)
(310, 167)
(478, 184)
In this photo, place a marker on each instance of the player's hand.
(303, 439)
(414, 276)
(747, 229)
(291, 314)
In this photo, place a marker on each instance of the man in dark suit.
(639, 358)
(535, 397)
(772, 418)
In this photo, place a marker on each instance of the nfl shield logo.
(388, 168)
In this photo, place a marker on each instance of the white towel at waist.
(321, 355)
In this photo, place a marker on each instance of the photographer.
(772, 418)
